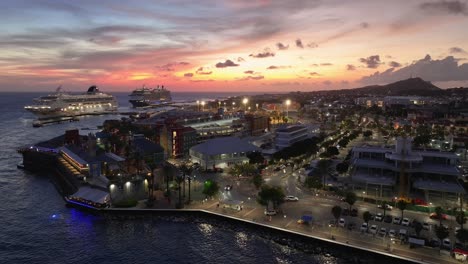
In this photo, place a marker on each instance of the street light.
(203, 106)
(245, 101)
(288, 103)
(198, 105)
(256, 105)
(233, 105)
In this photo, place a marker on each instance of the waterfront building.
(221, 152)
(256, 125)
(151, 152)
(288, 135)
(177, 140)
(384, 172)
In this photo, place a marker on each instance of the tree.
(350, 199)
(418, 227)
(336, 212)
(402, 204)
(384, 207)
(367, 216)
(438, 211)
(179, 181)
(257, 180)
(460, 217)
(322, 166)
(255, 157)
(332, 151)
(462, 236)
(272, 194)
(441, 233)
(367, 133)
(342, 167)
(313, 182)
(210, 188)
(186, 170)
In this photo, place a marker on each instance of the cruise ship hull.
(144, 103)
(42, 114)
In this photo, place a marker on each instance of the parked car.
(403, 233)
(291, 198)
(354, 212)
(383, 231)
(379, 217)
(341, 222)
(392, 233)
(397, 220)
(446, 243)
(405, 222)
(388, 219)
(387, 207)
(364, 227)
(228, 187)
(426, 226)
(434, 216)
(434, 242)
(345, 212)
(373, 229)
(270, 212)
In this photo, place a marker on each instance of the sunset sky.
(236, 45)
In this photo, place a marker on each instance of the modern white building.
(221, 152)
(288, 135)
(384, 171)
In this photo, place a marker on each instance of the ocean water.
(36, 227)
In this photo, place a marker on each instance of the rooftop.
(290, 129)
(224, 145)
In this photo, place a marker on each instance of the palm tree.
(438, 212)
(401, 204)
(350, 198)
(367, 216)
(460, 217)
(186, 170)
(441, 233)
(336, 211)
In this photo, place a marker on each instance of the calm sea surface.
(36, 227)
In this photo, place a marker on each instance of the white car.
(379, 217)
(383, 231)
(342, 222)
(270, 212)
(392, 233)
(426, 226)
(387, 207)
(291, 198)
(446, 243)
(405, 222)
(397, 220)
(373, 229)
(364, 227)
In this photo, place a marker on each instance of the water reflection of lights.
(206, 229)
(241, 239)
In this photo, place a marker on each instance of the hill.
(412, 86)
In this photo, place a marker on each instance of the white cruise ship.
(62, 104)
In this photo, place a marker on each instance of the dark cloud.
(171, 66)
(188, 74)
(240, 59)
(326, 64)
(457, 50)
(371, 62)
(227, 63)
(428, 69)
(281, 46)
(203, 71)
(249, 72)
(448, 7)
(264, 54)
(273, 67)
(364, 25)
(312, 45)
(299, 43)
(350, 67)
(347, 32)
(255, 78)
(394, 64)
(314, 74)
